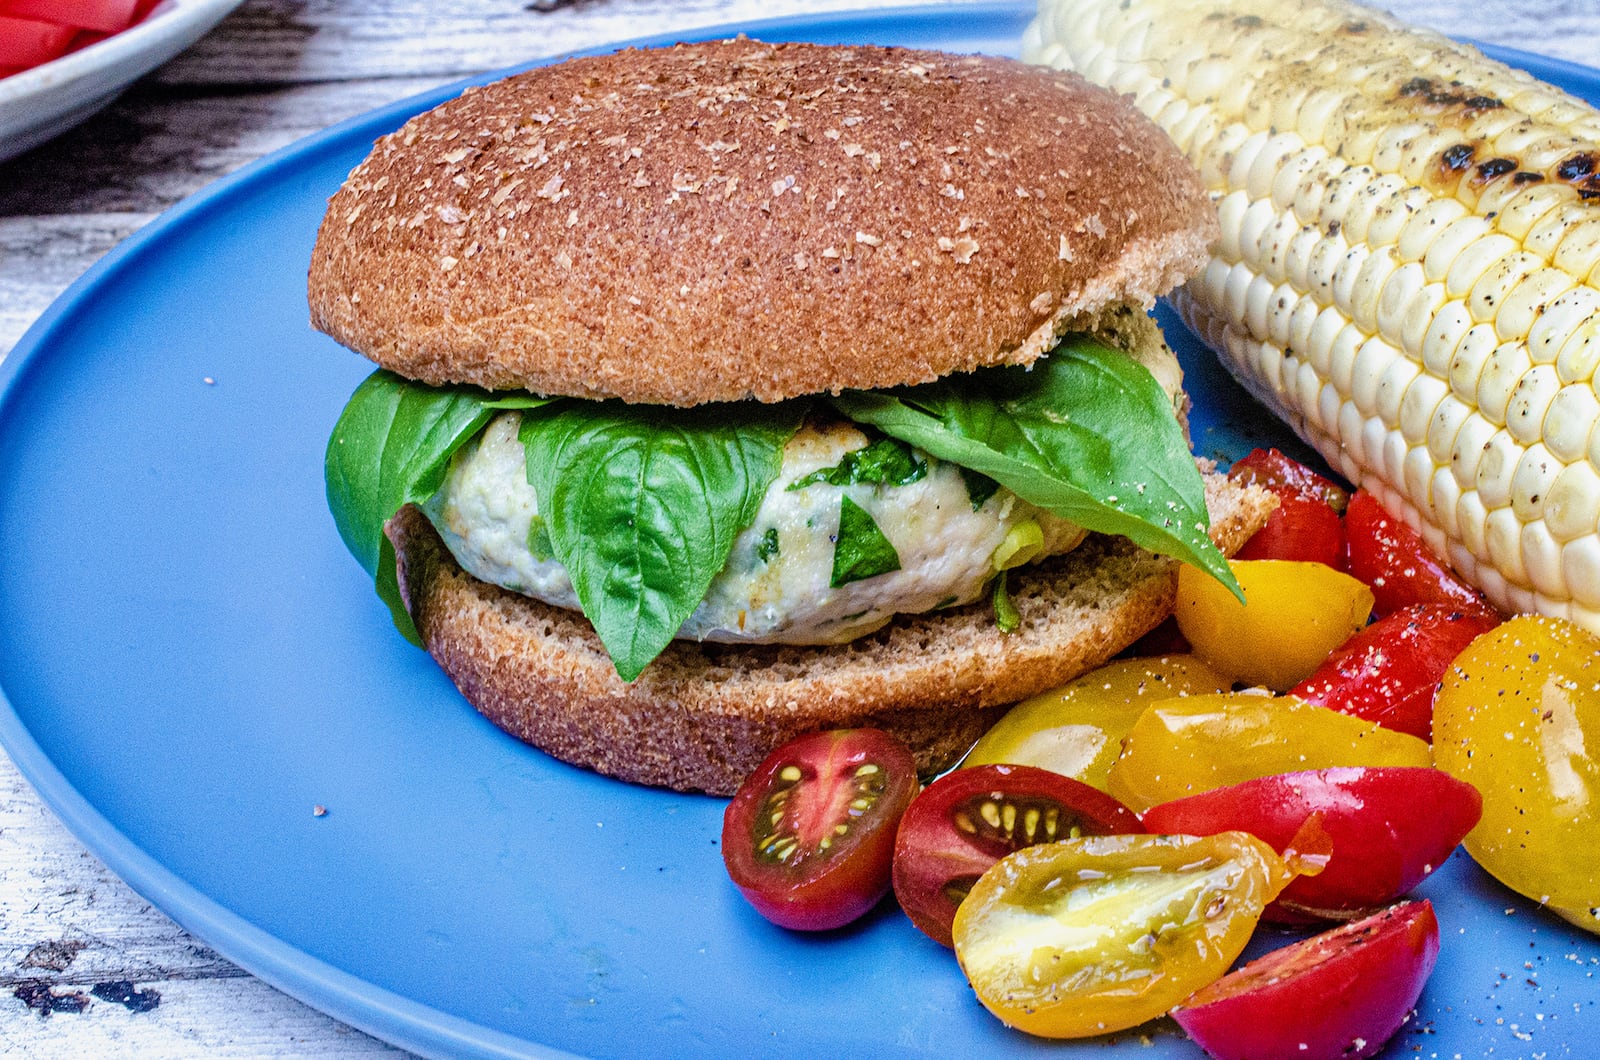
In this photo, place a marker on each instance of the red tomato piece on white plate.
(25, 42)
(102, 16)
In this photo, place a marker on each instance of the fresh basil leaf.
(859, 549)
(884, 462)
(643, 505)
(980, 487)
(767, 547)
(392, 447)
(1086, 433)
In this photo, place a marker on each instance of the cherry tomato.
(1283, 474)
(967, 820)
(1518, 716)
(1338, 995)
(809, 837)
(1302, 529)
(1382, 846)
(1294, 615)
(1391, 557)
(1389, 672)
(1077, 730)
(1092, 935)
(1181, 747)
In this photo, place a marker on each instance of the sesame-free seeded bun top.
(718, 221)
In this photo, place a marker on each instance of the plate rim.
(382, 1013)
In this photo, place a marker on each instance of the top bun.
(730, 220)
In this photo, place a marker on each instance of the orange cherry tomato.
(1077, 730)
(1294, 614)
(1518, 717)
(1181, 747)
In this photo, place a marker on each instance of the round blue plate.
(191, 662)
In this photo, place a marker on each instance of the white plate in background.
(47, 100)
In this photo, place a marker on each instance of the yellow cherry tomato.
(1294, 614)
(1518, 717)
(1185, 746)
(1092, 935)
(1077, 729)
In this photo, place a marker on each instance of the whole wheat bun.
(703, 716)
(720, 221)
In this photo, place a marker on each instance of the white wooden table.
(87, 967)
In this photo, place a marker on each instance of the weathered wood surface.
(87, 967)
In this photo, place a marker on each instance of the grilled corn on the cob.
(1409, 271)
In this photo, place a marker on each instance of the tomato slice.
(809, 837)
(1294, 614)
(1093, 935)
(1181, 747)
(1286, 475)
(1389, 672)
(1382, 846)
(969, 819)
(1077, 730)
(1391, 557)
(1338, 995)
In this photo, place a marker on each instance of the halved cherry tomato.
(1518, 715)
(1277, 472)
(809, 837)
(969, 819)
(1181, 747)
(1294, 615)
(1338, 995)
(1389, 672)
(1092, 935)
(1391, 558)
(1383, 845)
(1077, 729)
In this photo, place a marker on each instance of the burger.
(735, 390)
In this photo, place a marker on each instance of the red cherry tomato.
(1306, 524)
(969, 819)
(1390, 827)
(1272, 469)
(1390, 557)
(1299, 529)
(1336, 996)
(809, 837)
(1389, 672)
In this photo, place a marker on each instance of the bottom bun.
(703, 716)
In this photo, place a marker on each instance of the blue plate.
(191, 662)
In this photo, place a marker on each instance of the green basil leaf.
(980, 487)
(392, 447)
(859, 549)
(767, 547)
(643, 504)
(884, 462)
(1087, 433)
